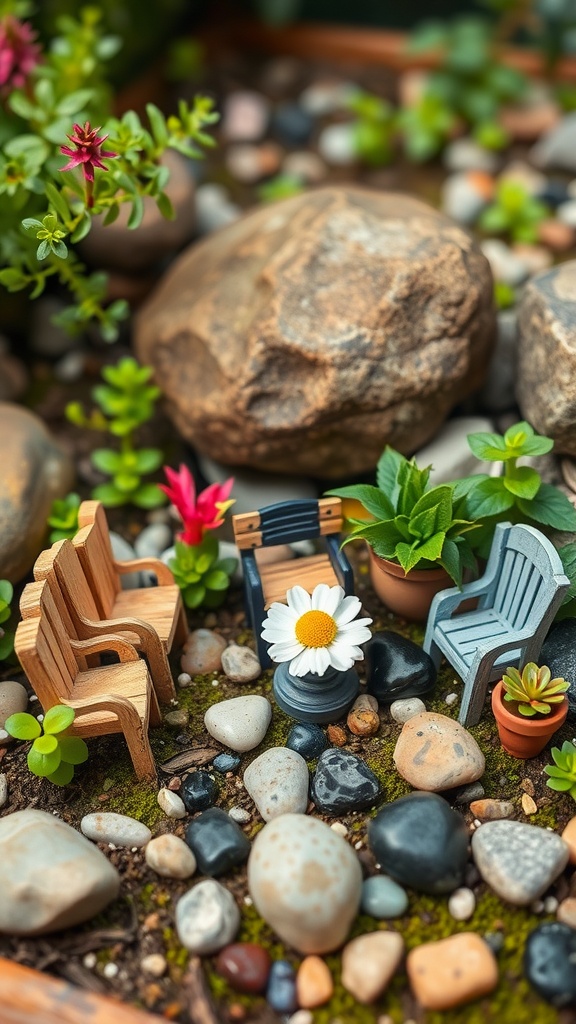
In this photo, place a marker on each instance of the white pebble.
(301, 1017)
(119, 829)
(154, 964)
(339, 828)
(450, 699)
(3, 790)
(110, 970)
(239, 815)
(170, 857)
(537, 906)
(171, 803)
(406, 708)
(550, 905)
(184, 679)
(462, 904)
(90, 961)
(207, 917)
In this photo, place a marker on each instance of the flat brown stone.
(452, 971)
(434, 752)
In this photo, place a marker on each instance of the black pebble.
(343, 782)
(307, 739)
(292, 125)
(397, 668)
(198, 791)
(421, 842)
(217, 842)
(550, 963)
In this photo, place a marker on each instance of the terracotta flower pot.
(525, 737)
(407, 595)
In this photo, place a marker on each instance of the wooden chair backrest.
(530, 573)
(60, 566)
(92, 543)
(288, 521)
(43, 646)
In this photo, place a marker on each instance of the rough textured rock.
(35, 471)
(433, 752)
(310, 334)
(546, 384)
(52, 877)
(368, 963)
(517, 860)
(278, 782)
(207, 917)
(549, 960)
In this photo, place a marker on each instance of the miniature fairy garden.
(288, 531)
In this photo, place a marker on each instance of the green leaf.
(148, 460)
(559, 785)
(6, 645)
(387, 472)
(373, 499)
(149, 496)
(551, 507)
(524, 482)
(432, 512)
(6, 591)
(227, 565)
(165, 206)
(43, 250)
(136, 213)
(451, 561)
(63, 774)
(216, 580)
(43, 764)
(58, 718)
(568, 557)
(23, 726)
(194, 595)
(487, 447)
(82, 229)
(21, 106)
(430, 551)
(73, 750)
(74, 102)
(106, 460)
(126, 482)
(488, 498)
(59, 249)
(45, 745)
(57, 200)
(382, 537)
(109, 495)
(12, 279)
(158, 125)
(203, 563)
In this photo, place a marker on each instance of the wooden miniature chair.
(107, 699)
(285, 523)
(160, 606)
(60, 566)
(519, 595)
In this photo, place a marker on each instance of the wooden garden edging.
(31, 997)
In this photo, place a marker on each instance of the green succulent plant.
(202, 576)
(52, 755)
(563, 772)
(6, 637)
(63, 518)
(514, 212)
(534, 690)
(374, 128)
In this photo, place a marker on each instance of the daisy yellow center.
(316, 629)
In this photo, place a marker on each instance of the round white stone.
(170, 857)
(406, 708)
(207, 918)
(240, 815)
(107, 827)
(305, 881)
(240, 723)
(462, 904)
(52, 877)
(278, 782)
(154, 964)
(171, 803)
(240, 664)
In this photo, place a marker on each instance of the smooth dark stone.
(343, 782)
(313, 698)
(397, 668)
(281, 991)
(292, 125)
(307, 739)
(550, 963)
(421, 842)
(226, 763)
(245, 966)
(559, 653)
(554, 193)
(199, 791)
(217, 842)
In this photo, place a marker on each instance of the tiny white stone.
(32, 698)
(207, 918)
(450, 699)
(240, 815)
(170, 857)
(107, 827)
(171, 803)
(462, 904)
(39, 718)
(154, 964)
(301, 1017)
(3, 735)
(339, 828)
(406, 708)
(110, 970)
(248, 901)
(537, 906)
(184, 679)
(550, 905)
(89, 961)
(3, 790)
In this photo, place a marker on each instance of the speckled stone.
(305, 881)
(435, 753)
(363, 718)
(421, 842)
(169, 857)
(549, 963)
(278, 782)
(207, 918)
(314, 983)
(199, 791)
(307, 739)
(107, 827)
(452, 971)
(406, 708)
(240, 723)
(217, 842)
(13, 700)
(343, 782)
(492, 810)
(383, 898)
(369, 962)
(245, 966)
(517, 860)
(240, 664)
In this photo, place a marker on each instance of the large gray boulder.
(309, 334)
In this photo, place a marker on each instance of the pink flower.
(87, 155)
(198, 514)
(19, 54)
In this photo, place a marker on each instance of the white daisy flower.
(316, 632)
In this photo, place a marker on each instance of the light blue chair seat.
(518, 597)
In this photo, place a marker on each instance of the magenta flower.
(198, 514)
(19, 54)
(88, 154)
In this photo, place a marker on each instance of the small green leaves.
(51, 755)
(202, 576)
(533, 690)
(49, 234)
(562, 774)
(514, 212)
(63, 518)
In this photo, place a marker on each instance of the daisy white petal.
(299, 600)
(287, 650)
(340, 661)
(357, 636)
(347, 609)
(300, 666)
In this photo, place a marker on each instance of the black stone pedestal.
(313, 698)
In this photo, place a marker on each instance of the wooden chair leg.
(155, 713)
(136, 734)
(181, 631)
(162, 682)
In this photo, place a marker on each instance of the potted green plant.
(529, 706)
(416, 539)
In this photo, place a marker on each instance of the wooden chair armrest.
(162, 572)
(102, 627)
(118, 705)
(108, 642)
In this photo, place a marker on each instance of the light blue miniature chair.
(518, 597)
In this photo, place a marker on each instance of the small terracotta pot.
(525, 737)
(409, 595)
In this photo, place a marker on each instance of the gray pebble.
(383, 898)
(207, 918)
(108, 827)
(406, 708)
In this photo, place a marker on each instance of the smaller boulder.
(434, 753)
